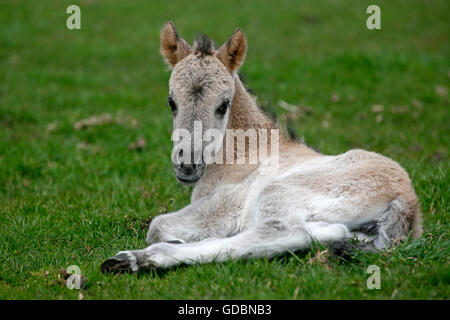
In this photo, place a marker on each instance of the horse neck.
(245, 114)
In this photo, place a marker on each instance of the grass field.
(76, 197)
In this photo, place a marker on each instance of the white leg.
(325, 232)
(266, 240)
(217, 216)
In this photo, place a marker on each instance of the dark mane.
(203, 44)
(269, 109)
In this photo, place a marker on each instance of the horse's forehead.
(194, 75)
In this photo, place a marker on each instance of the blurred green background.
(75, 197)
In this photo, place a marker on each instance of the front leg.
(216, 216)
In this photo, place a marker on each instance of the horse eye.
(172, 105)
(223, 108)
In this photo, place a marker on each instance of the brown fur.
(385, 180)
(237, 211)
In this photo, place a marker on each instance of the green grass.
(72, 197)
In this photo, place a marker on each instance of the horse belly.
(325, 190)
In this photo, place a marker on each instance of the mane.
(271, 111)
(204, 44)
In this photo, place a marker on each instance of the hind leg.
(393, 225)
(266, 239)
(326, 232)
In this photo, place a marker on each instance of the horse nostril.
(182, 165)
(188, 170)
(181, 153)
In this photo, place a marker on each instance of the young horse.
(236, 211)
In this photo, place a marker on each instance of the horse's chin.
(187, 181)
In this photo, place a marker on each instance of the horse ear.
(232, 53)
(173, 47)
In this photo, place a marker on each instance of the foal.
(238, 211)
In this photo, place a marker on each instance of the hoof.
(120, 263)
(342, 249)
